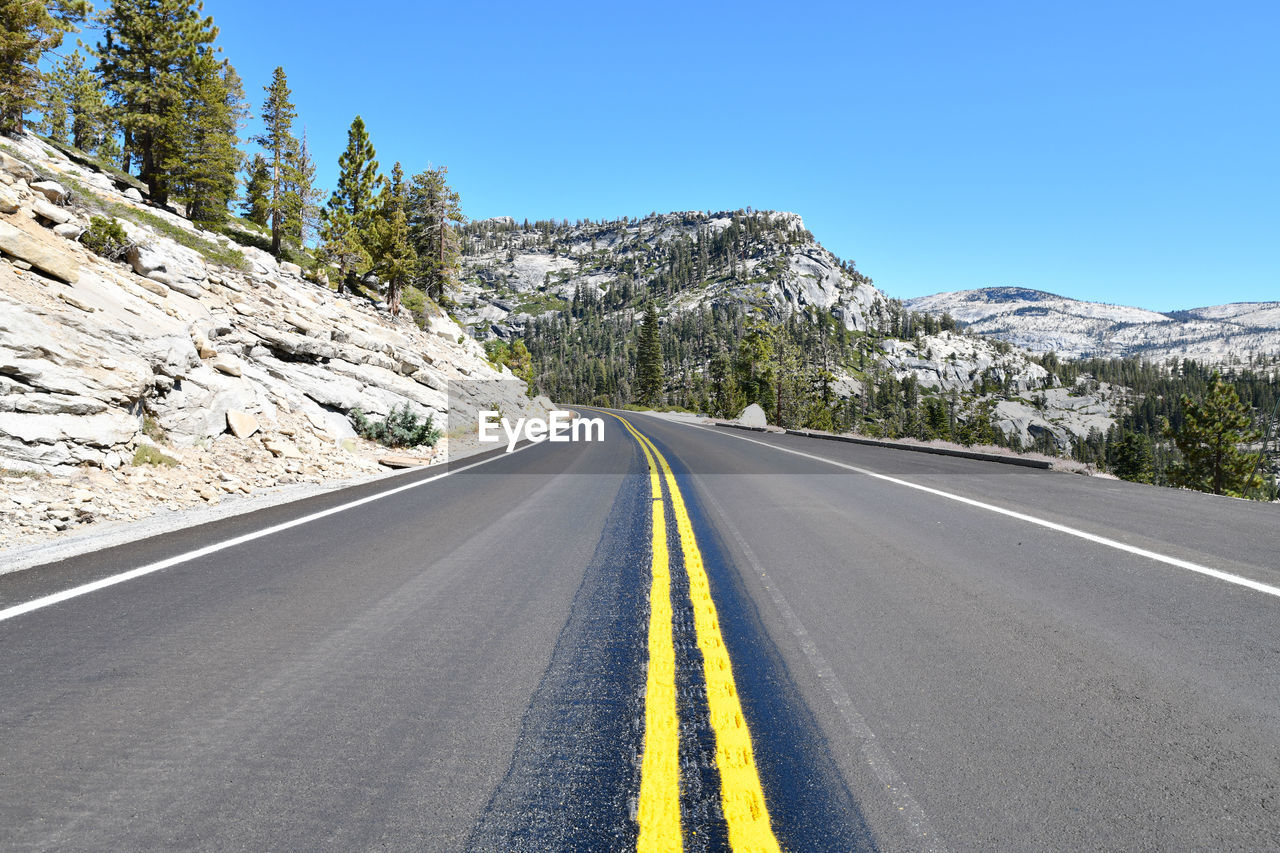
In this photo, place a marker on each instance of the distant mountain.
(574, 293)
(1044, 322)
(763, 260)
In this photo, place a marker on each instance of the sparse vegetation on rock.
(400, 428)
(107, 237)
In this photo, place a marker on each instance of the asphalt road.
(462, 664)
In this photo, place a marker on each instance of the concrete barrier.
(914, 448)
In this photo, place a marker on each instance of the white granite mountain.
(1043, 322)
(513, 271)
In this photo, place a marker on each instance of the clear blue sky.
(1116, 151)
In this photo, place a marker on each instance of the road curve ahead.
(679, 638)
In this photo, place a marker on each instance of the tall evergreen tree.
(28, 29)
(649, 360)
(755, 366)
(340, 244)
(74, 95)
(257, 191)
(726, 400)
(146, 56)
(204, 166)
(53, 107)
(346, 225)
(435, 215)
(277, 139)
(301, 198)
(394, 259)
(1134, 459)
(1212, 431)
(357, 179)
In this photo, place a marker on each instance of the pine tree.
(649, 360)
(148, 51)
(755, 366)
(1212, 431)
(29, 29)
(53, 108)
(301, 198)
(257, 191)
(936, 422)
(204, 166)
(278, 114)
(358, 178)
(1133, 458)
(726, 400)
(394, 259)
(340, 244)
(74, 94)
(435, 215)
(788, 388)
(346, 224)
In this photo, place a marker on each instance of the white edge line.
(1031, 519)
(169, 562)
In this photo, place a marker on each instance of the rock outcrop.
(951, 362)
(204, 354)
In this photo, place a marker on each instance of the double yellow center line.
(741, 795)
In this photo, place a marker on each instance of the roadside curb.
(915, 448)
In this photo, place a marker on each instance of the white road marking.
(169, 562)
(1041, 522)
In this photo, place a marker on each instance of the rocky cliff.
(236, 368)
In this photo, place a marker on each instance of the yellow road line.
(659, 809)
(741, 794)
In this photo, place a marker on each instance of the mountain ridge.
(1073, 328)
(687, 259)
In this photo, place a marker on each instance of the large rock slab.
(53, 353)
(241, 424)
(753, 416)
(40, 254)
(52, 190)
(228, 364)
(176, 263)
(16, 167)
(107, 429)
(15, 397)
(53, 213)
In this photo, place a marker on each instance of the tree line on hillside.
(806, 370)
(612, 349)
(155, 96)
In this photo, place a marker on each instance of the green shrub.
(148, 455)
(415, 301)
(106, 237)
(401, 428)
(151, 429)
